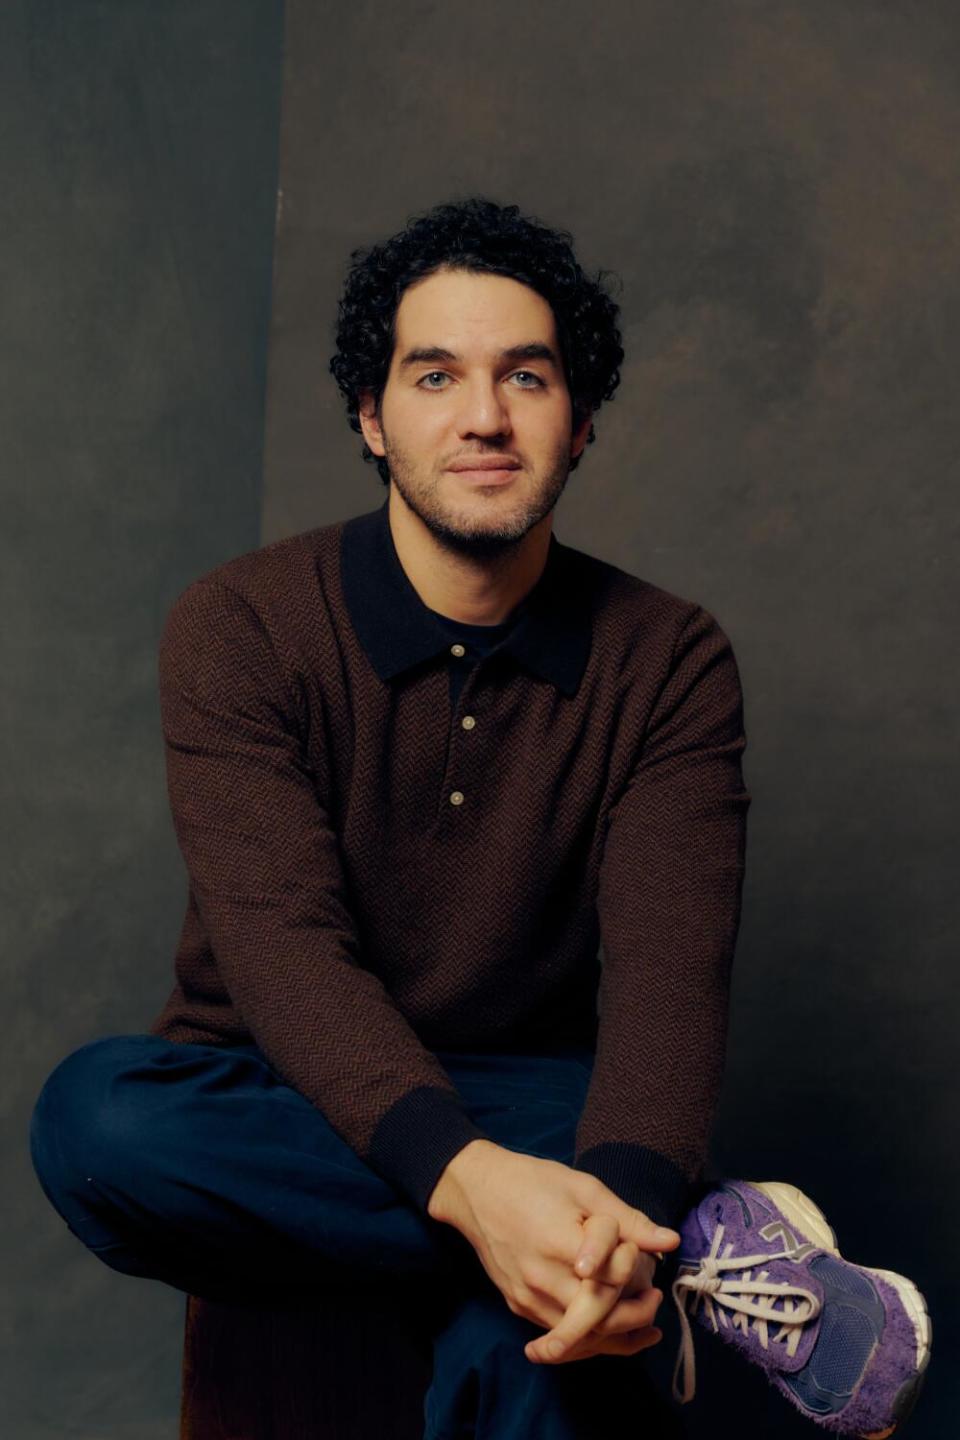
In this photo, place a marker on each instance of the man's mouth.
(486, 474)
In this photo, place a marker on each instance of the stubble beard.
(497, 534)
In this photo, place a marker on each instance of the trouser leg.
(483, 1386)
(197, 1166)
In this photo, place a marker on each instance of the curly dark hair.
(479, 236)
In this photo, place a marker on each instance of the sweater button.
(456, 797)
(457, 649)
(468, 722)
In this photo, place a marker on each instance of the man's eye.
(442, 375)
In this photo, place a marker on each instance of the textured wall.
(777, 186)
(139, 154)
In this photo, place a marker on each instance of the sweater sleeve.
(265, 870)
(669, 910)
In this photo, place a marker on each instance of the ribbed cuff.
(418, 1137)
(640, 1177)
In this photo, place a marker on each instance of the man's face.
(476, 401)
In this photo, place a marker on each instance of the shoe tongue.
(695, 1233)
(699, 1225)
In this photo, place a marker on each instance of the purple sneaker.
(847, 1345)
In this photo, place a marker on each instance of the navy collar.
(397, 630)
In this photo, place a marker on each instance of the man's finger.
(638, 1227)
(591, 1303)
(629, 1314)
(601, 1236)
(583, 1318)
(643, 1273)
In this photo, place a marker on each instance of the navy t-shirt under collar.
(549, 632)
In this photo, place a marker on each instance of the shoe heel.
(800, 1211)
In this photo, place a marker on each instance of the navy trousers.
(197, 1166)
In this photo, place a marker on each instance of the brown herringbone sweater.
(395, 848)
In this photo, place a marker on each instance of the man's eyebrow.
(428, 354)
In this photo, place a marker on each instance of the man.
(421, 765)
(479, 452)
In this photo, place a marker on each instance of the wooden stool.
(352, 1367)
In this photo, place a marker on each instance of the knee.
(483, 1325)
(81, 1115)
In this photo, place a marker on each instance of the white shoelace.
(715, 1290)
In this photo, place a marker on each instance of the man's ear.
(369, 421)
(578, 439)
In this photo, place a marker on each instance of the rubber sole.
(801, 1211)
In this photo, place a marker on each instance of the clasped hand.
(530, 1221)
(611, 1307)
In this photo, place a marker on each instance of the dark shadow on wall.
(139, 146)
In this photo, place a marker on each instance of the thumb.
(646, 1234)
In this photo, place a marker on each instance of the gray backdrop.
(139, 162)
(776, 185)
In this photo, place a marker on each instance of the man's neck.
(475, 590)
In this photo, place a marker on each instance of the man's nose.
(482, 410)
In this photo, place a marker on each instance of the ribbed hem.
(417, 1139)
(640, 1177)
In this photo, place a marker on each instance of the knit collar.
(397, 630)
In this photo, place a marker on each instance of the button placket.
(467, 722)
